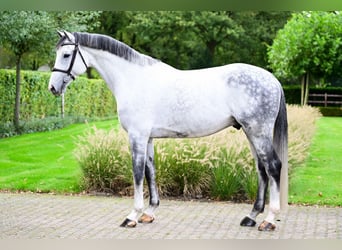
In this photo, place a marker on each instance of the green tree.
(260, 29)
(31, 34)
(309, 45)
(214, 29)
(113, 23)
(161, 34)
(196, 39)
(185, 39)
(22, 32)
(62, 20)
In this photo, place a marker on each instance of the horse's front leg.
(148, 215)
(138, 147)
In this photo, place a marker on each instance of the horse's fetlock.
(275, 209)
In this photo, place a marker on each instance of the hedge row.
(84, 97)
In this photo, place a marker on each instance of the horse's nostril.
(53, 90)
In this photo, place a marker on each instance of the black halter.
(74, 53)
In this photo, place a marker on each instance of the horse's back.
(201, 102)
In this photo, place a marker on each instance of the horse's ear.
(60, 33)
(68, 35)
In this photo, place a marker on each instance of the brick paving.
(44, 216)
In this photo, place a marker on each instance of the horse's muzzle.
(54, 91)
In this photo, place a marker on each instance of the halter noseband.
(74, 53)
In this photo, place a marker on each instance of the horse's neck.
(116, 72)
(127, 81)
(122, 76)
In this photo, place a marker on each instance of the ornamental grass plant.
(301, 122)
(219, 166)
(105, 160)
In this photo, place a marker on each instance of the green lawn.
(43, 162)
(320, 180)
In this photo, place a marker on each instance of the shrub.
(105, 161)
(35, 125)
(182, 167)
(331, 111)
(37, 102)
(250, 182)
(292, 94)
(219, 165)
(226, 181)
(7, 129)
(232, 165)
(301, 122)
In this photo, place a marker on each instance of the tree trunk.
(305, 89)
(302, 91)
(306, 96)
(17, 95)
(211, 46)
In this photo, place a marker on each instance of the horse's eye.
(66, 55)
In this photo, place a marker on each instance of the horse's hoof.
(128, 223)
(266, 226)
(145, 218)
(247, 222)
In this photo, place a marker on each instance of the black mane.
(109, 44)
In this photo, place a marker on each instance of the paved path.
(27, 216)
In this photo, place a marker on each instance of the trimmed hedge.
(330, 111)
(292, 94)
(84, 97)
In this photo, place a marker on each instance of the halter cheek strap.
(74, 53)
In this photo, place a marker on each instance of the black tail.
(280, 143)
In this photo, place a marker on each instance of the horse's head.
(69, 63)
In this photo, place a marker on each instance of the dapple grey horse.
(155, 100)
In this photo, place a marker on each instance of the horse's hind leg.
(148, 215)
(259, 204)
(269, 167)
(273, 168)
